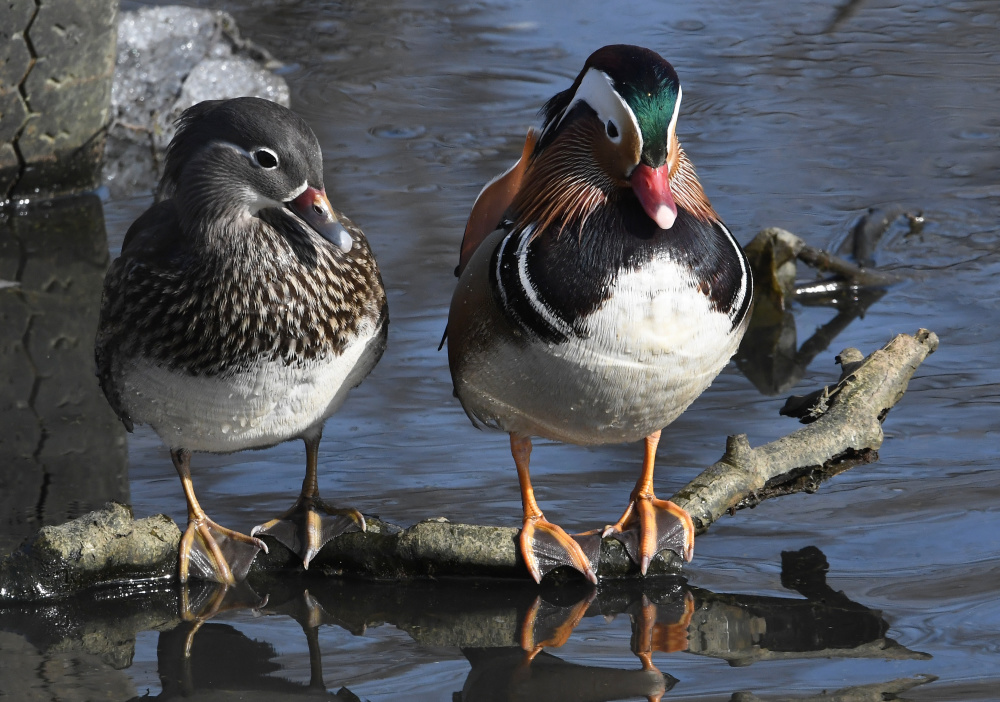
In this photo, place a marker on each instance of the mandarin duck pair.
(599, 295)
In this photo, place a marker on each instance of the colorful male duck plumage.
(240, 313)
(599, 293)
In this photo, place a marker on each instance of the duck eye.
(265, 158)
(612, 130)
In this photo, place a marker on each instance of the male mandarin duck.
(599, 293)
(241, 311)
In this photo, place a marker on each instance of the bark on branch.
(844, 429)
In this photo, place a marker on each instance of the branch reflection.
(509, 632)
(770, 356)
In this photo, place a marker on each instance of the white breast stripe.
(531, 292)
(503, 293)
(745, 273)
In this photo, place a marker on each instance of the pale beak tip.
(665, 217)
(343, 239)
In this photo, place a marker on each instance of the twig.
(848, 426)
(818, 258)
(845, 429)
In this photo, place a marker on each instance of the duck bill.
(314, 208)
(652, 187)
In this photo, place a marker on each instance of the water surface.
(795, 115)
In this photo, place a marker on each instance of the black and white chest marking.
(519, 296)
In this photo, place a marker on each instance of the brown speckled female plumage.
(273, 293)
(241, 311)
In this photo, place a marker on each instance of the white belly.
(254, 408)
(648, 352)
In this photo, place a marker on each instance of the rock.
(15, 60)
(63, 451)
(99, 548)
(170, 58)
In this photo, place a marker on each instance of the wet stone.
(63, 451)
(14, 61)
(22, 431)
(70, 673)
(12, 107)
(9, 165)
(99, 548)
(15, 58)
(14, 17)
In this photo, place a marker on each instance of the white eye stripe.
(673, 118)
(597, 90)
(250, 156)
(230, 145)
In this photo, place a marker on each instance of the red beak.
(313, 206)
(652, 187)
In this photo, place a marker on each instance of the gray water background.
(796, 115)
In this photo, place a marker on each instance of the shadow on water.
(509, 633)
(63, 450)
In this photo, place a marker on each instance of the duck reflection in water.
(530, 673)
(507, 631)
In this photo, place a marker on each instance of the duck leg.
(304, 528)
(650, 525)
(537, 623)
(210, 551)
(544, 545)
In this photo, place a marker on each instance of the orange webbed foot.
(650, 525)
(545, 546)
(212, 552)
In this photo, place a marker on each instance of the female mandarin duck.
(599, 293)
(240, 313)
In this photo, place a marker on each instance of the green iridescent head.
(647, 84)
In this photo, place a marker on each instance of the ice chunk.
(170, 58)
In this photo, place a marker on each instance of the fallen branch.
(784, 247)
(846, 426)
(844, 429)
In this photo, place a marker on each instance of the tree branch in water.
(843, 429)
